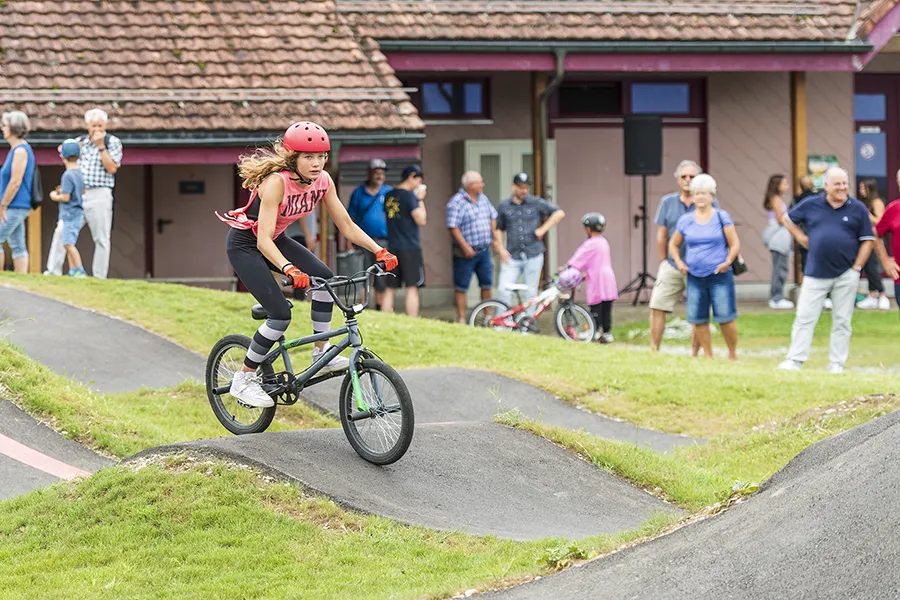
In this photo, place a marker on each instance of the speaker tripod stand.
(643, 278)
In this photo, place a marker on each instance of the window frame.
(696, 104)
(418, 101)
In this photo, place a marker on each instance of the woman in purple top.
(711, 245)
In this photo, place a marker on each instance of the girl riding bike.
(288, 182)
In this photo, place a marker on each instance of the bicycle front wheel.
(575, 323)
(379, 424)
(226, 357)
(485, 312)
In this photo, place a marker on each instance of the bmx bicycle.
(376, 410)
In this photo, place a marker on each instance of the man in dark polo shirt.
(404, 207)
(526, 219)
(839, 242)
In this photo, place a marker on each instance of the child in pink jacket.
(593, 259)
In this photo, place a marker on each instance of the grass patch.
(695, 477)
(670, 393)
(206, 529)
(126, 423)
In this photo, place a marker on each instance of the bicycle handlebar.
(319, 283)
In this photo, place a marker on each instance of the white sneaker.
(336, 364)
(790, 365)
(867, 303)
(835, 368)
(884, 303)
(246, 388)
(607, 338)
(829, 305)
(783, 304)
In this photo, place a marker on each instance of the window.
(661, 98)
(456, 99)
(590, 99)
(869, 107)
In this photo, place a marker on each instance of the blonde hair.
(703, 183)
(253, 168)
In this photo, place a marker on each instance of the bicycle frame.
(542, 300)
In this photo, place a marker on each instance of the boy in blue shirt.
(71, 209)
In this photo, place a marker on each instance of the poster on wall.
(817, 165)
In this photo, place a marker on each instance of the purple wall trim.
(881, 34)
(473, 61)
(349, 153)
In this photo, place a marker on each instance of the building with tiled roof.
(747, 88)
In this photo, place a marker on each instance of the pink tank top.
(295, 204)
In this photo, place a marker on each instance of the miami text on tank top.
(296, 203)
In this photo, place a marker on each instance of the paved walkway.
(824, 527)
(481, 478)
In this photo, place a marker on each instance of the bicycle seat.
(517, 287)
(260, 314)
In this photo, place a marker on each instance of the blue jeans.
(480, 264)
(510, 271)
(713, 291)
(13, 231)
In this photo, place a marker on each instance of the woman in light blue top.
(16, 178)
(711, 245)
(778, 240)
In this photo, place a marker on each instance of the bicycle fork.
(355, 341)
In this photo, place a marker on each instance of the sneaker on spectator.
(868, 303)
(828, 304)
(790, 365)
(335, 364)
(884, 303)
(77, 272)
(835, 368)
(783, 304)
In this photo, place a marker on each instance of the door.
(189, 241)
(498, 161)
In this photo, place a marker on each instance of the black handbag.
(738, 267)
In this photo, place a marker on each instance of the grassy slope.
(207, 530)
(123, 424)
(705, 398)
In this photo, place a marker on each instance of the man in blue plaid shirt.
(101, 157)
(472, 221)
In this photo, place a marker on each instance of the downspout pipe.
(552, 86)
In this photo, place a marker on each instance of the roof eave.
(629, 46)
(162, 139)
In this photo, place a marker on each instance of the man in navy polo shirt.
(839, 241)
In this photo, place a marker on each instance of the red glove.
(389, 260)
(300, 279)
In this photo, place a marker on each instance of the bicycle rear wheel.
(482, 314)
(575, 323)
(381, 434)
(226, 357)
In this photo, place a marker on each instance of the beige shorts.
(668, 288)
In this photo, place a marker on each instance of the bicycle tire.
(217, 375)
(398, 447)
(568, 326)
(476, 319)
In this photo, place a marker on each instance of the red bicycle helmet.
(306, 136)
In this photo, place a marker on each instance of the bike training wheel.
(485, 311)
(574, 323)
(226, 357)
(382, 434)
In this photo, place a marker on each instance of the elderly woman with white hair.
(711, 246)
(101, 157)
(16, 180)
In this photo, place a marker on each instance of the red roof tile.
(220, 65)
(639, 20)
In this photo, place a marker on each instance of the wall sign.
(191, 187)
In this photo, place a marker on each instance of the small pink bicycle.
(573, 321)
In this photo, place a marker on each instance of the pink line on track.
(37, 460)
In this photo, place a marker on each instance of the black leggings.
(873, 274)
(255, 272)
(602, 314)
